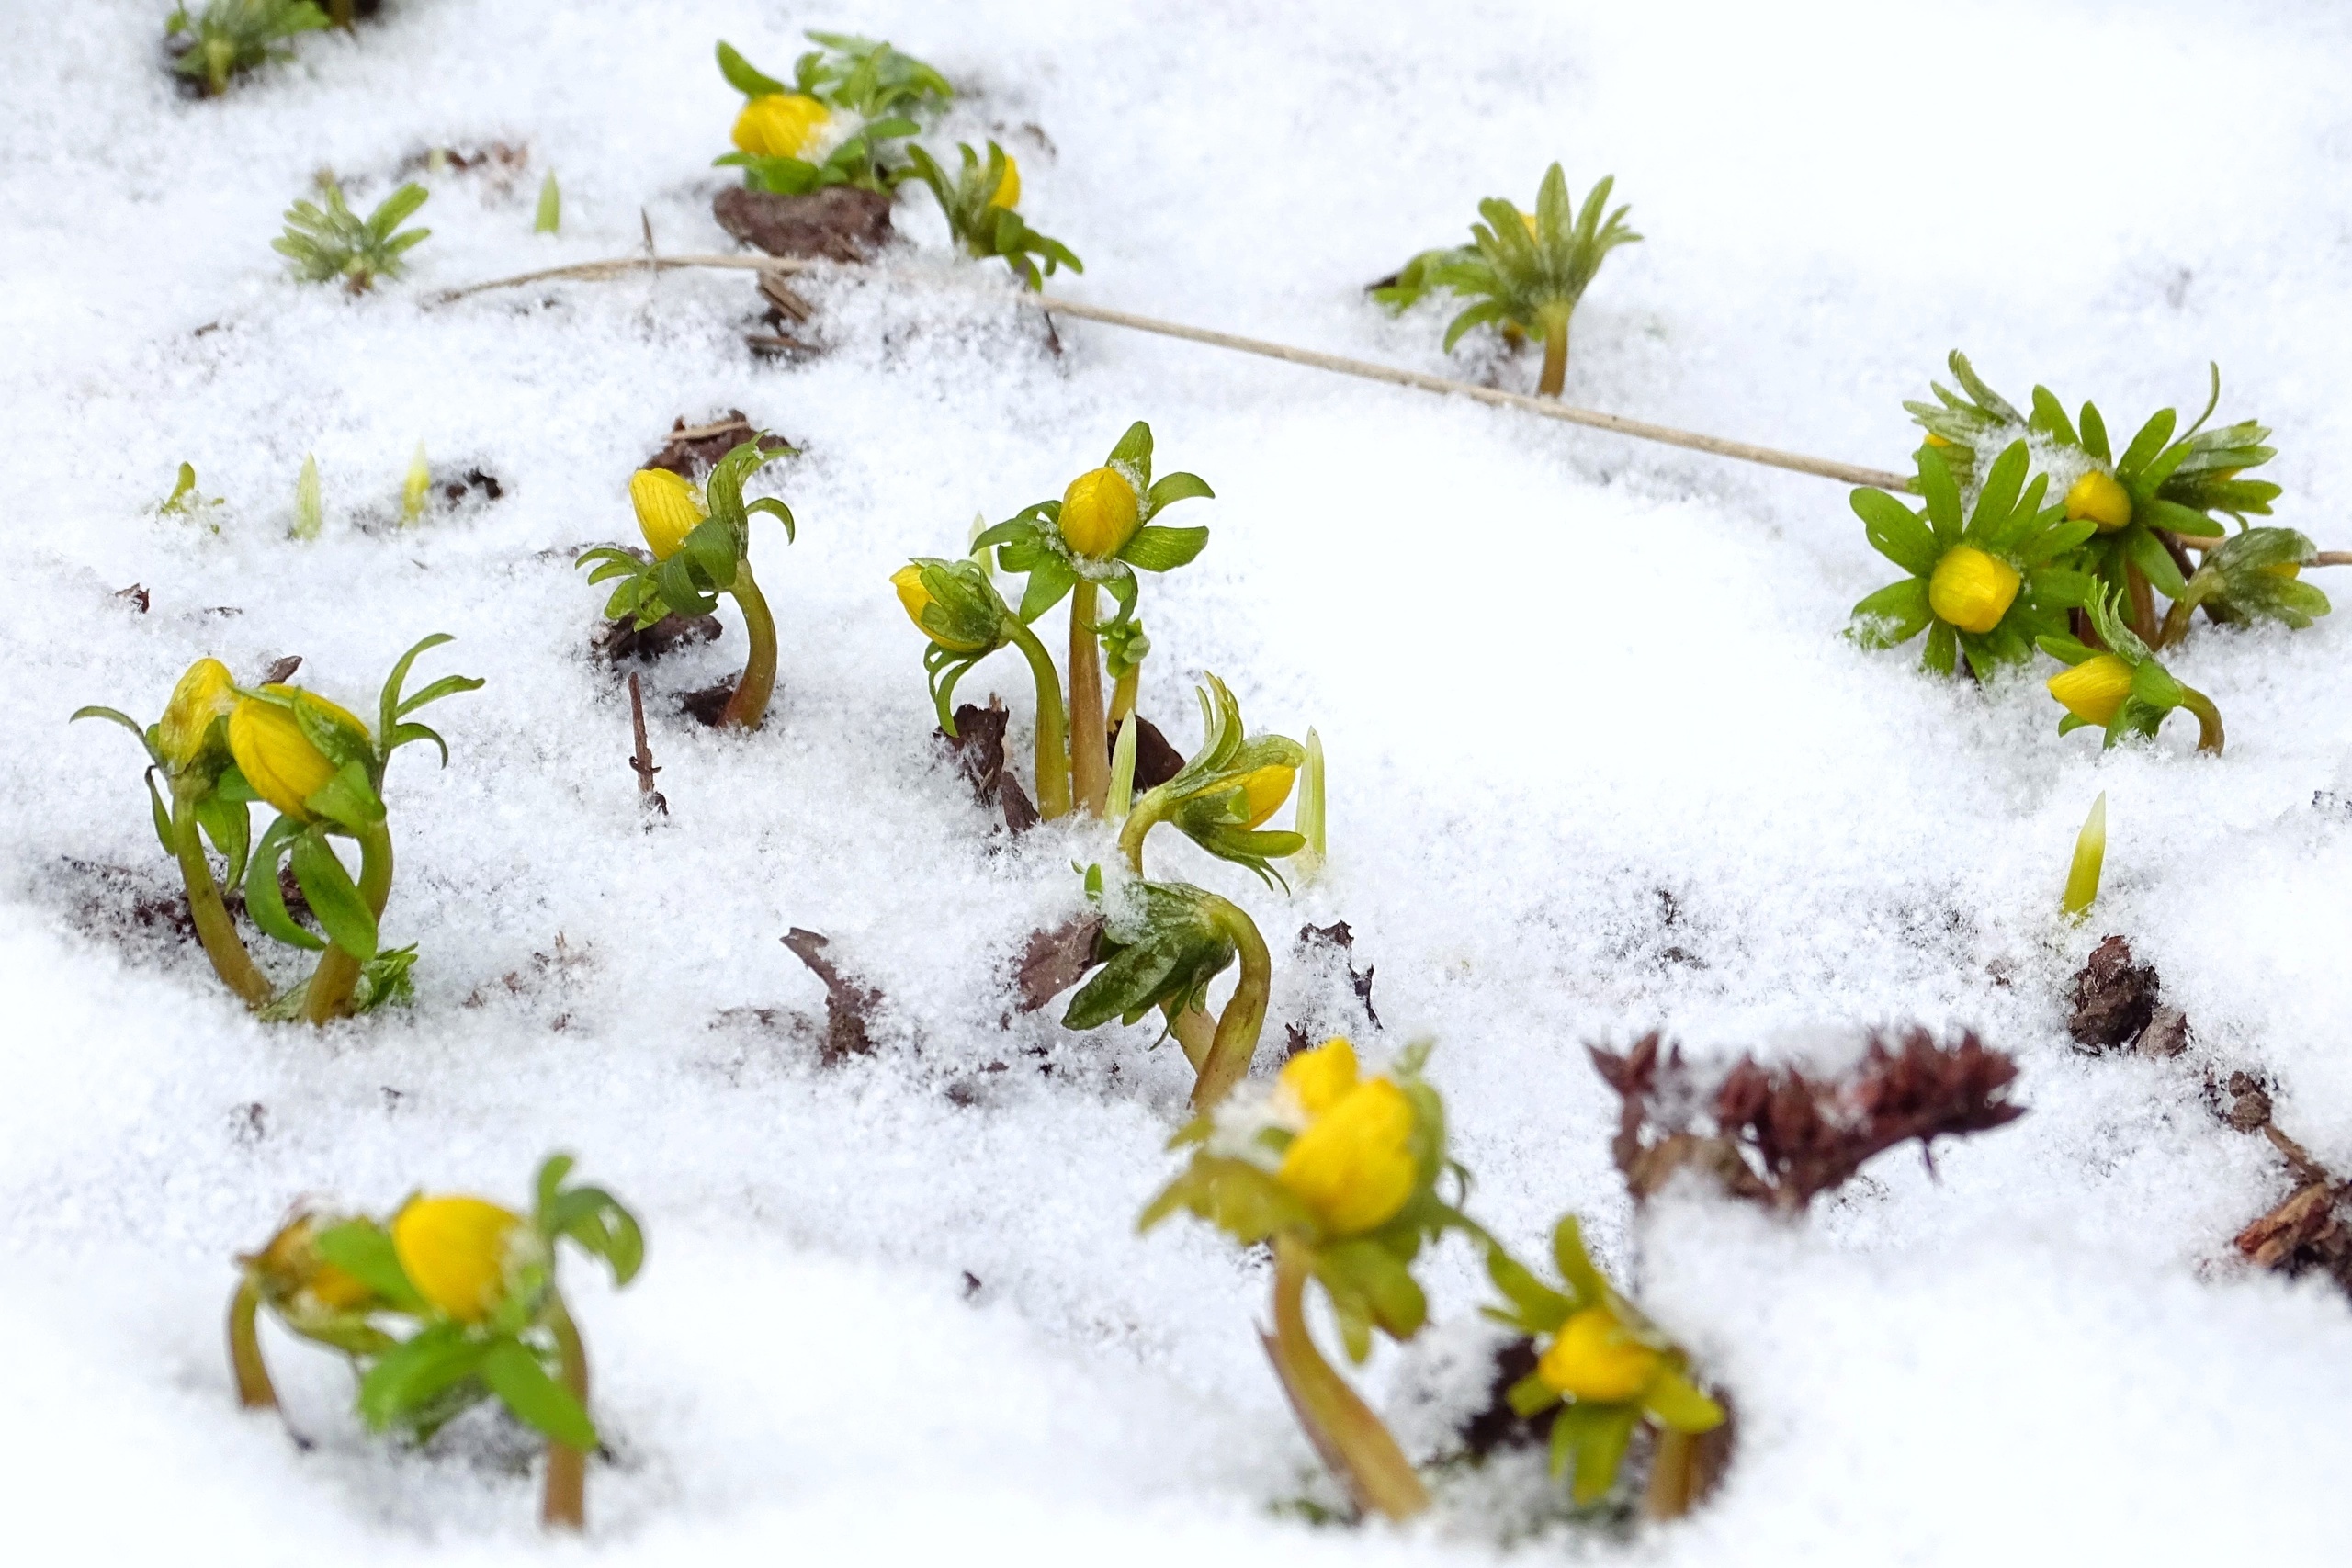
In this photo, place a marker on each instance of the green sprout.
(549, 218)
(310, 506)
(185, 500)
(230, 36)
(1526, 272)
(330, 243)
(2090, 858)
(982, 205)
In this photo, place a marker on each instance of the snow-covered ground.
(1584, 701)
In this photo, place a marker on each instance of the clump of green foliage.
(330, 243)
(230, 36)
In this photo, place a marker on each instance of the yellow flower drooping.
(456, 1251)
(667, 510)
(1262, 792)
(2094, 690)
(1008, 189)
(1354, 1166)
(908, 580)
(1596, 1358)
(1972, 590)
(781, 125)
(277, 758)
(1099, 513)
(2097, 498)
(206, 692)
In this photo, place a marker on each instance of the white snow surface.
(1584, 700)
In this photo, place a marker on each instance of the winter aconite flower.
(781, 125)
(2253, 575)
(1008, 189)
(459, 1253)
(1596, 1356)
(2123, 689)
(2100, 498)
(959, 633)
(1099, 513)
(206, 694)
(277, 754)
(981, 202)
(667, 509)
(310, 1295)
(1352, 1164)
(1221, 797)
(2094, 690)
(1972, 590)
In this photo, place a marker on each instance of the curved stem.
(1053, 725)
(2209, 719)
(1146, 814)
(1089, 752)
(2176, 625)
(564, 1504)
(749, 705)
(214, 929)
(329, 996)
(1556, 359)
(1345, 1432)
(1195, 1032)
(1245, 1016)
(255, 1391)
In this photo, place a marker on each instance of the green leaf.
(1576, 1264)
(447, 686)
(161, 814)
(263, 900)
(342, 912)
(2065, 649)
(2155, 563)
(348, 800)
(1677, 1402)
(523, 1385)
(603, 1227)
(1049, 580)
(1894, 614)
(407, 1380)
(1154, 549)
(2145, 447)
(1134, 447)
(362, 1249)
(1998, 499)
(1539, 1309)
(1942, 654)
(744, 77)
(1170, 489)
(388, 701)
(1941, 494)
(2095, 434)
(229, 824)
(118, 716)
(402, 734)
(1896, 531)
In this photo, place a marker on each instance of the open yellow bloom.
(1354, 1164)
(1318, 1078)
(908, 580)
(2094, 690)
(1099, 513)
(667, 510)
(2099, 498)
(781, 125)
(456, 1251)
(204, 693)
(277, 758)
(1596, 1358)
(1008, 189)
(1972, 590)
(1262, 792)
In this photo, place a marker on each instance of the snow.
(1584, 704)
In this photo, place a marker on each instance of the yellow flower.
(1529, 219)
(1935, 440)
(1008, 189)
(2284, 569)
(2100, 499)
(1099, 513)
(277, 758)
(1262, 792)
(2093, 690)
(1318, 1078)
(204, 693)
(1972, 590)
(1354, 1166)
(781, 125)
(1596, 1358)
(908, 580)
(667, 509)
(456, 1251)
(290, 1265)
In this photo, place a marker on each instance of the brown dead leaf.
(839, 223)
(1056, 960)
(848, 1006)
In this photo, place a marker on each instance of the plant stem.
(1555, 358)
(329, 996)
(2209, 719)
(1195, 1032)
(1089, 752)
(1053, 724)
(1122, 693)
(564, 1506)
(1345, 1432)
(1245, 1015)
(1146, 814)
(255, 1391)
(214, 929)
(2176, 625)
(749, 705)
(2142, 602)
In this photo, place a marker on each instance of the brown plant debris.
(1776, 1137)
(2115, 1005)
(614, 640)
(839, 223)
(2311, 1228)
(641, 761)
(1157, 762)
(1498, 1425)
(1338, 942)
(707, 704)
(1056, 960)
(848, 1005)
(978, 751)
(281, 671)
(690, 451)
(137, 596)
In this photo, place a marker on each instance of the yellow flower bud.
(457, 1252)
(781, 125)
(298, 1281)
(1594, 1356)
(1935, 440)
(204, 693)
(667, 510)
(2284, 569)
(2096, 497)
(1972, 590)
(1099, 513)
(1262, 792)
(908, 580)
(1317, 1079)
(1529, 219)
(2093, 690)
(1008, 189)
(1354, 1166)
(277, 758)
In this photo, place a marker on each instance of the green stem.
(1194, 1030)
(1345, 1432)
(255, 1391)
(2139, 602)
(1245, 1015)
(2176, 625)
(1146, 814)
(1089, 752)
(564, 1504)
(329, 996)
(1122, 693)
(749, 705)
(1555, 358)
(214, 929)
(1053, 724)
(2209, 719)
